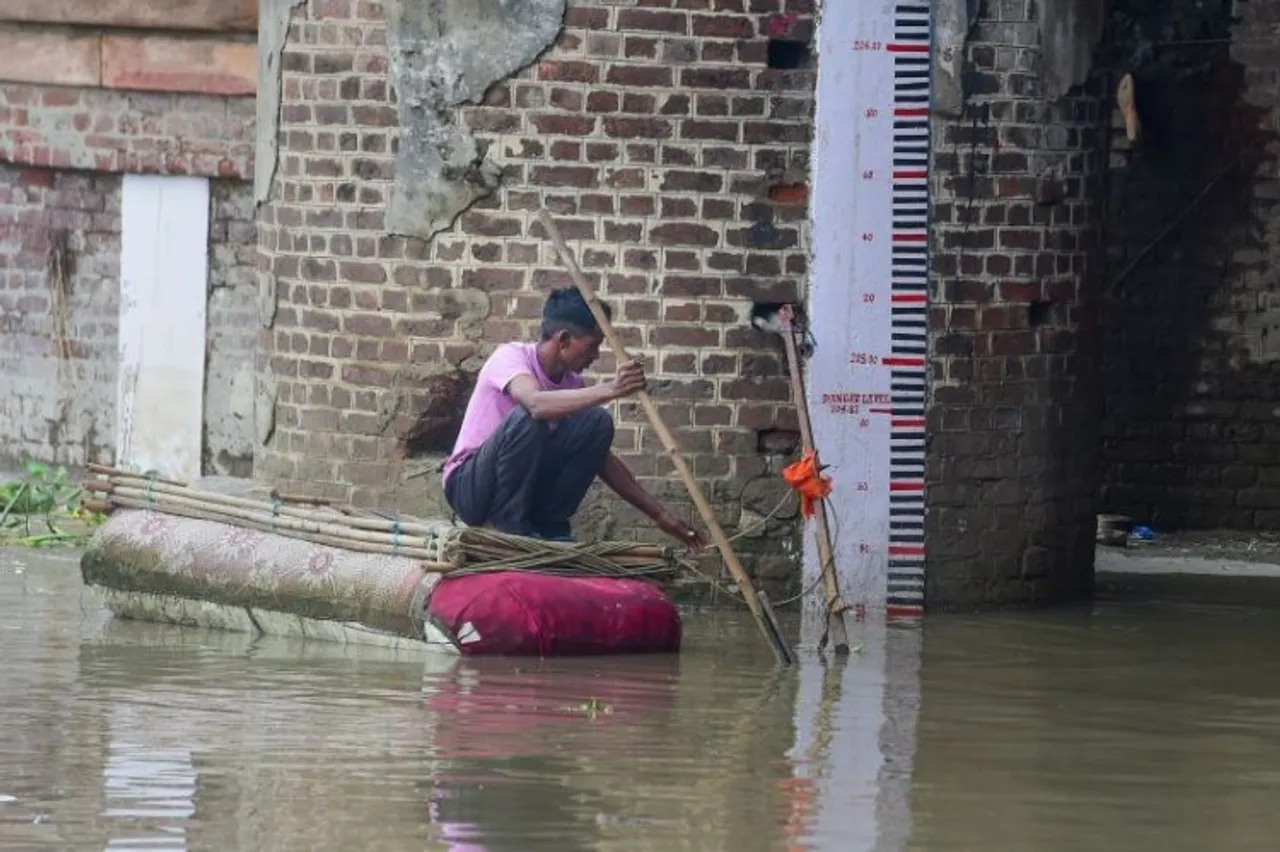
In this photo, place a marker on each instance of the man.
(534, 436)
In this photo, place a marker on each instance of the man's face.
(580, 351)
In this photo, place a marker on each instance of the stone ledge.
(200, 65)
(1215, 568)
(208, 15)
(51, 57)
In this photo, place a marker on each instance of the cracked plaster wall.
(273, 30)
(1068, 32)
(232, 331)
(445, 53)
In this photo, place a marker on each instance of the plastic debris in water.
(1142, 533)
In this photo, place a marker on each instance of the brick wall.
(1193, 316)
(654, 134)
(58, 333)
(1011, 467)
(126, 131)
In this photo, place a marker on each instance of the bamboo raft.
(440, 547)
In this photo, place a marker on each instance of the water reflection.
(1120, 726)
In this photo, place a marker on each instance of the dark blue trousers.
(528, 479)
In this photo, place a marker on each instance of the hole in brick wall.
(777, 442)
(764, 316)
(1039, 313)
(443, 401)
(788, 55)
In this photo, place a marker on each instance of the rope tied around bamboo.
(441, 546)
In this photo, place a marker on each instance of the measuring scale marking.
(869, 299)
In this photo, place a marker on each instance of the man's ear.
(563, 337)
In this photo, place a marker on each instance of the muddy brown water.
(1116, 726)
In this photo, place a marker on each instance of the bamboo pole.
(410, 528)
(836, 605)
(776, 641)
(106, 470)
(426, 558)
(163, 502)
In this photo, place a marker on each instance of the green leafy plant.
(42, 509)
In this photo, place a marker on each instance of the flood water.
(1118, 726)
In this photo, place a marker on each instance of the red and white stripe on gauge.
(868, 301)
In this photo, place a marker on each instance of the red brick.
(633, 102)
(653, 20)
(369, 325)
(566, 99)
(580, 177)
(789, 194)
(639, 75)
(42, 178)
(602, 102)
(724, 26)
(631, 128)
(492, 278)
(565, 149)
(684, 335)
(724, 131)
(683, 234)
(564, 125)
(635, 47)
(587, 18)
(684, 181)
(569, 71)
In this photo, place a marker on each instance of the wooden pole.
(745, 586)
(836, 605)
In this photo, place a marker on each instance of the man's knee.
(519, 423)
(597, 423)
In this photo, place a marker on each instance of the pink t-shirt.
(490, 403)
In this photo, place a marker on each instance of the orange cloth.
(811, 485)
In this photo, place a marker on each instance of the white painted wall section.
(868, 299)
(850, 225)
(164, 270)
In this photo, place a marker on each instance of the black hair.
(567, 310)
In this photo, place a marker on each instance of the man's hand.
(630, 378)
(679, 530)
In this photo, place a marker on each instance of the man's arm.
(556, 405)
(619, 478)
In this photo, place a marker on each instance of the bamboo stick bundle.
(417, 527)
(423, 548)
(441, 545)
(197, 513)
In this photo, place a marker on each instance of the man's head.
(570, 329)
